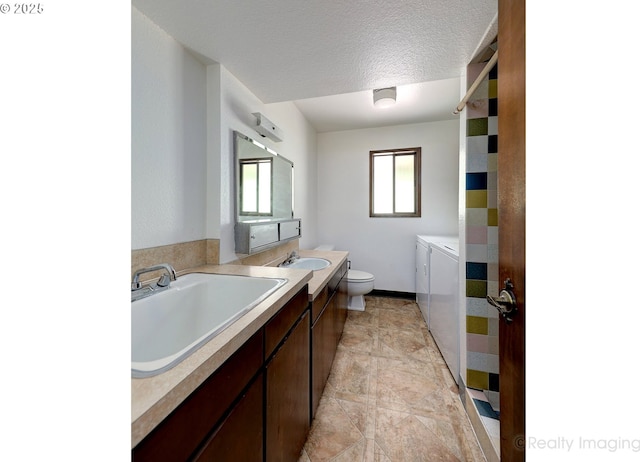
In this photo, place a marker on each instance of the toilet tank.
(325, 247)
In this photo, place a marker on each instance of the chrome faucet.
(293, 256)
(139, 291)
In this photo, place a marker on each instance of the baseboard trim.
(393, 294)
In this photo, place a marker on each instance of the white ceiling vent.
(266, 128)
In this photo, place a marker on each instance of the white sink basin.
(168, 326)
(310, 263)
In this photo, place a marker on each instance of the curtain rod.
(476, 83)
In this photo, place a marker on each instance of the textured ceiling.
(420, 102)
(289, 50)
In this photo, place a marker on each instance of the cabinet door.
(239, 436)
(325, 336)
(422, 280)
(323, 350)
(262, 235)
(290, 229)
(341, 307)
(287, 396)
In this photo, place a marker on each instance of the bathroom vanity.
(222, 418)
(247, 394)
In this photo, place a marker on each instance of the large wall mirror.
(264, 182)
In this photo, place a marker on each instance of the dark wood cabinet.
(277, 328)
(224, 418)
(323, 351)
(240, 435)
(330, 308)
(287, 395)
(179, 435)
(342, 303)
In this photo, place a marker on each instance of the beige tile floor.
(390, 396)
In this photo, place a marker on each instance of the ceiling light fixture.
(384, 97)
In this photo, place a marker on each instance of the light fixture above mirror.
(266, 128)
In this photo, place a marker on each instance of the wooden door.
(511, 215)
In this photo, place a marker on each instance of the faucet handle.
(164, 280)
(168, 276)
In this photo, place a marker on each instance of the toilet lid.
(359, 276)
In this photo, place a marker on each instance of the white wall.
(183, 117)
(168, 139)
(300, 148)
(385, 247)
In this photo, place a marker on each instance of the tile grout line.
(370, 429)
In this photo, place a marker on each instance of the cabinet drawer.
(278, 326)
(290, 229)
(318, 304)
(263, 234)
(335, 279)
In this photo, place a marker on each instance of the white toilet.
(359, 283)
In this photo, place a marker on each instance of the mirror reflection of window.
(268, 194)
(256, 181)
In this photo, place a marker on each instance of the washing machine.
(437, 285)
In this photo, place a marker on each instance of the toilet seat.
(359, 276)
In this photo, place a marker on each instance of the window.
(394, 183)
(255, 194)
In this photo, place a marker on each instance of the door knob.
(506, 302)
